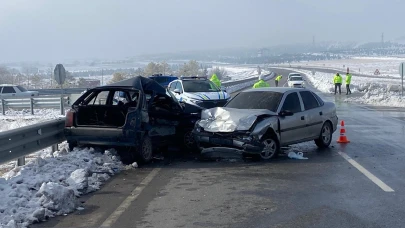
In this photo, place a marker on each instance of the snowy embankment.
(241, 73)
(380, 92)
(52, 184)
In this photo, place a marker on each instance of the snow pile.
(15, 119)
(240, 73)
(381, 92)
(50, 186)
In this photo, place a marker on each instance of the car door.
(313, 112)
(292, 128)
(8, 91)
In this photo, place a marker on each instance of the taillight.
(69, 118)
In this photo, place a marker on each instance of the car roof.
(193, 78)
(139, 83)
(7, 85)
(275, 89)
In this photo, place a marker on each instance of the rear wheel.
(325, 136)
(271, 147)
(145, 150)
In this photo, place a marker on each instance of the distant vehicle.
(163, 80)
(296, 82)
(260, 121)
(8, 91)
(293, 74)
(199, 91)
(149, 118)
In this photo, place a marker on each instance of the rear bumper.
(99, 136)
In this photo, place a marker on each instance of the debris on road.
(299, 156)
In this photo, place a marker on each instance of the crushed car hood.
(222, 119)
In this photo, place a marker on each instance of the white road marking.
(364, 171)
(127, 202)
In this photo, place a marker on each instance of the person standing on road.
(261, 83)
(215, 80)
(348, 81)
(337, 80)
(277, 80)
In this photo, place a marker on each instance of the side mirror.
(285, 113)
(176, 91)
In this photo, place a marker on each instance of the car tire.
(325, 136)
(145, 150)
(72, 145)
(189, 143)
(271, 147)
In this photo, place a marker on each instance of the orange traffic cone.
(342, 137)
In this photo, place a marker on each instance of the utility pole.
(313, 41)
(382, 39)
(102, 77)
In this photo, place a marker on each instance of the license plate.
(219, 141)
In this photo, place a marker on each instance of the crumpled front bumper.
(238, 143)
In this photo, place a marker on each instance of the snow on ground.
(15, 119)
(373, 91)
(52, 184)
(388, 66)
(239, 73)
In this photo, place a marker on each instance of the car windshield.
(296, 78)
(256, 100)
(293, 75)
(194, 86)
(160, 79)
(22, 89)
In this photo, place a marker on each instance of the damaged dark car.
(136, 115)
(259, 121)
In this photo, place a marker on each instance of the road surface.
(360, 184)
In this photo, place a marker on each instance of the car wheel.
(325, 136)
(189, 141)
(271, 148)
(72, 145)
(145, 150)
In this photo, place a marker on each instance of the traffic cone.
(342, 137)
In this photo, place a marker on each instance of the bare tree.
(192, 68)
(5, 76)
(117, 76)
(220, 72)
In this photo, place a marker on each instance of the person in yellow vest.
(261, 83)
(348, 81)
(277, 80)
(215, 80)
(337, 80)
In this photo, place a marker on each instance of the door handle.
(302, 117)
(320, 113)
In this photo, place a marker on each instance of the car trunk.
(101, 115)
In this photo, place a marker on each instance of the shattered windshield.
(195, 86)
(256, 100)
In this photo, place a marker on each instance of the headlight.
(195, 101)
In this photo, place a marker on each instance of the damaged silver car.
(260, 121)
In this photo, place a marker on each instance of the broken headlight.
(197, 127)
(195, 101)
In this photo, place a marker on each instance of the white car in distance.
(295, 81)
(10, 91)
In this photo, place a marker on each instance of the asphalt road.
(355, 185)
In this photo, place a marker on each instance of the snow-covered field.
(240, 73)
(374, 91)
(388, 66)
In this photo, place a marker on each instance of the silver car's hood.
(222, 119)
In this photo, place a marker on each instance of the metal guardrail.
(37, 102)
(17, 143)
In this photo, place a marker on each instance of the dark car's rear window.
(256, 100)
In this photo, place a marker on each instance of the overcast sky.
(55, 30)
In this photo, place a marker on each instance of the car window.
(8, 89)
(22, 89)
(173, 86)
(160, 79)
(256, 100)
(309, 100)
(100, 98)
(178, 86)
(121, 97)
(320, 101)
(292, 103)
(195, 86)
(295, 78)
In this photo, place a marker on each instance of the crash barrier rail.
(59, 91)
(35, 102)
(251, 82)
(18, 143)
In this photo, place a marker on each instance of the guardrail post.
(62, 106)
(3, 107)
(54, 148)
(32, 105)
(21, 161)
